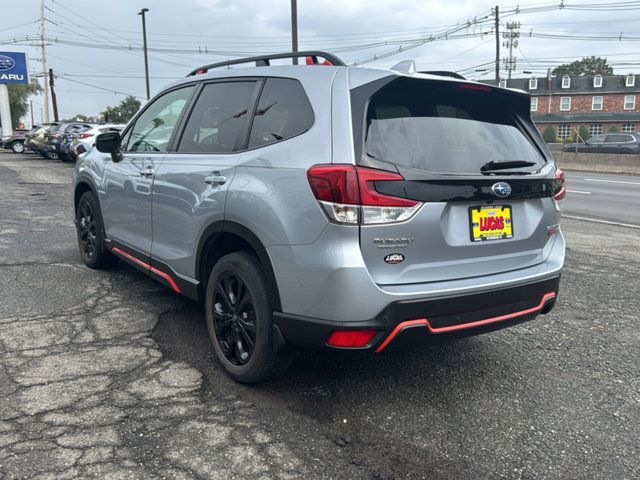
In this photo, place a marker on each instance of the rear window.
(446, 128)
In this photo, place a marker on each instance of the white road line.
(610, 181)
(601, 221)
(579, 191)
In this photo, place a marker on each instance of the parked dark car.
(16, 141)
(51, 147)
(608, 143)
(71, 134)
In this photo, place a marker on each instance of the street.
(108, 374)
(604, 197)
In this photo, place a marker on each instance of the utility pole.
(497, 27)
(294, 29)
(44, 64)
(53, 96)
(31, 111)
(144, 43)
(511, 41)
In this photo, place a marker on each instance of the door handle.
(215, 179)
(147, 172)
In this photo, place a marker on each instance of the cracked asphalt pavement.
(110, 375)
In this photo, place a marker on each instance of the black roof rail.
(444, 73)
(264, 60)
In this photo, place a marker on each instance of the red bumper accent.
(425, 322)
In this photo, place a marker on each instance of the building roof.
(579, 85)
(591, 117)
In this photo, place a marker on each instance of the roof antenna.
(406, 66)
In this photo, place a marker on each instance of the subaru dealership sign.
(13, 68)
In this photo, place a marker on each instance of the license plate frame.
(507, 230)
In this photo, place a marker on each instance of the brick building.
(597, 102)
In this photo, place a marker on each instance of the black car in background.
(16, 141)
(54, 136)
(628, 143)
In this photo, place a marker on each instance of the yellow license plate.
(491, 222)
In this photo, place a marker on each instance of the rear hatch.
(473, 162)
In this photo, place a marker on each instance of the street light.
(144, 43)
(294, 29)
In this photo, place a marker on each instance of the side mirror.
(109, 142)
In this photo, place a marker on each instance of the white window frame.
(628, 127)
(597, 81)
(632, 102)
(562, 99)
(595, 129)
(593, 102)
(534, 104)
(566, 81)
(630, 80)
(564, 131)
(533, 83)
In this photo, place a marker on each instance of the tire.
(90, 230)
(243, 314)
(51, 155)
(17, 147)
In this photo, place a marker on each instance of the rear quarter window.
(283, 112)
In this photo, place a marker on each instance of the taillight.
(561, 180)
(348, 195)
(86, 135)
(58, 135)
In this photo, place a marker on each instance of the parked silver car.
(329, 206)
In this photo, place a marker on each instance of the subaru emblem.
(6, 63)
(501, 189)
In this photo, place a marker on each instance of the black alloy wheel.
(90, 230)
(87, 231)
(239, 320)
(234, 318)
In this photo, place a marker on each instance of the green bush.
(549, 134)
(614, 129)
(584, 133)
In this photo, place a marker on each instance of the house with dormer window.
(599, 102)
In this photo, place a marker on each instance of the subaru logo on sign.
(501, 189)
(6, 63)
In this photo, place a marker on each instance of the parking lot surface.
(110, 375)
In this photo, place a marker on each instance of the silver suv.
(328, 206)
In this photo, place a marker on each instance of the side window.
(283, 112)
(219, 120)
(153, 128)
(616, 138)
(597, 139)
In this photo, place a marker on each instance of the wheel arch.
(81, 187)
(223, 237)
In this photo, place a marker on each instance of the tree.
(79, 117)
(584, 133)
(549, 134)
(614, 129)
(586, 66)
(19, 100)
(123, 112)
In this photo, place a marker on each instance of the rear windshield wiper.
(492, 166)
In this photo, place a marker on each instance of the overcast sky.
(357, 29)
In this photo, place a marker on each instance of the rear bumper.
(407, 323)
